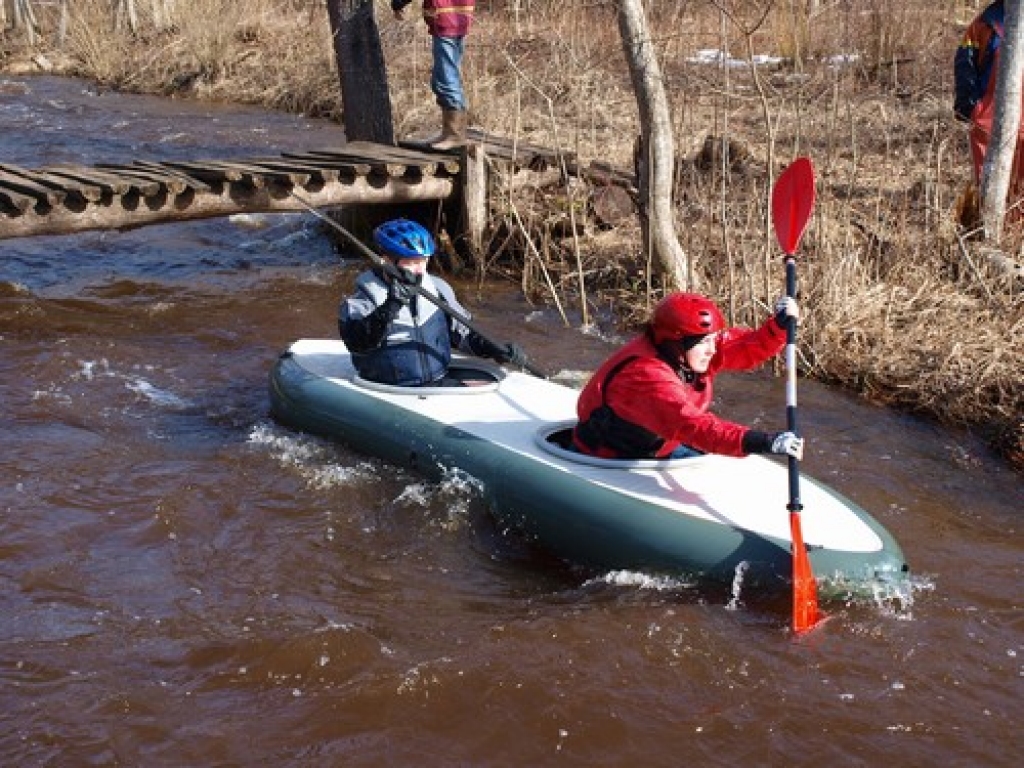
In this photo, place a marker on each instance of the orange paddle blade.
(805, 588)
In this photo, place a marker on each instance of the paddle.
(792, 201)
(392, 270)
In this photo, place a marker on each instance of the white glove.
(786, 306)
(788, 444)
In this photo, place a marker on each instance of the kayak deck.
(508, 430)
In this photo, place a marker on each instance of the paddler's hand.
(512, 353)
(788, 444)
(502, 353)
(401, 291)
(786, 307)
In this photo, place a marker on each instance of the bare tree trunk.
(997, 171)
(25, 17)
(159, 14)
(656, 152)
(62, 29)
(365, 101)
(126, 15)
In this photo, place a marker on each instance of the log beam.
(133, 210)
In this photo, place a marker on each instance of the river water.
(185, 582)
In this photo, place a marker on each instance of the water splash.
(735, 600)
(625, 578)
(155, 395)
(892, 597)
(454, 492)
(314, 460)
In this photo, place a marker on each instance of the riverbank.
(901, 305)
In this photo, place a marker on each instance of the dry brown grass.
(900, 304)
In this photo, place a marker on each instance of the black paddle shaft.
(794, 471)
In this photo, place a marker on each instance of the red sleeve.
(740, 349)
(648, 392)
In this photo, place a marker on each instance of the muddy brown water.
(185, 582)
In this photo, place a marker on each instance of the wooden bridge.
(64, 199)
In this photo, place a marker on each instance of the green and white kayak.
(703, 517)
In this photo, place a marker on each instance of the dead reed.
(901, 304)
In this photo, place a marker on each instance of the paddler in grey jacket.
(397, 337)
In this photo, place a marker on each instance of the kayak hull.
(704, 517)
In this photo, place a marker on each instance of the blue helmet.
(404, 239)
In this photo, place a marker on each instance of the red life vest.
(651, 398)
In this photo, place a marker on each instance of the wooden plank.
(47, 180)
(377, 163)
(247, 173)
(357, 168)
(204, 172)
(26, 187)
(175, 180)
(403, 153)
(325, 172)
(273, 169)
(237, 171)
(493, 142)
(18, 201)
(371, 163)
(335, 159)
(104, 181)
(257, 173)
(147, 183)
(280, 171)
(521, 153)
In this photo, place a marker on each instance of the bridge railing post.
(474, 199)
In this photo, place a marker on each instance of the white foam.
(659, 583)
(155, 395)
(310, 457)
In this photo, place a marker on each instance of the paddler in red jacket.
(651, 399)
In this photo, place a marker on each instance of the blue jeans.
(445, 77)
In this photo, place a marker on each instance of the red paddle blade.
(792, 202)
(805, 588)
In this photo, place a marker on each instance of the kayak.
(707, 516)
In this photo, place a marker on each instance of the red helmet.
(685, 314)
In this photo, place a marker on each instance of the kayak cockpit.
(465, 376)
(556, 439)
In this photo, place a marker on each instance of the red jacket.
(445, 18)
(648, 392)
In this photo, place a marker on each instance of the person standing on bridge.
(396, 336)
(448, 22)
(651, 399)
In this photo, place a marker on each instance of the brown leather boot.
(453, 129)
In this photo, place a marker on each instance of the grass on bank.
(901, 304)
